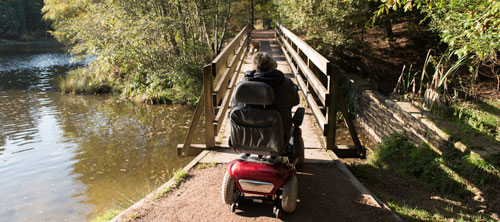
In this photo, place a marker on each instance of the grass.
(421, 163)
(483, 117)
(107, 216)
(179, 85)
(179, 176)
(475, 124)
(410, 213)
(206, 165)
(82, 81)
(454, 176)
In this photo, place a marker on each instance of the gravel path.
(325, 195)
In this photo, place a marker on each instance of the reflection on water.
(66, 157)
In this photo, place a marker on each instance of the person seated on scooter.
(285, 90)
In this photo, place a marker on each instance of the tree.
(18, 17)
(150, 50)
(333, 22)
(470, 28)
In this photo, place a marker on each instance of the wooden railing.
(219, 80)
(319, 80)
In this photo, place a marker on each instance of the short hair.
(264, 62)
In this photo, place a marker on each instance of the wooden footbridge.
(327, 190)
(317, 78)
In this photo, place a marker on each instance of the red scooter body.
(253, 174)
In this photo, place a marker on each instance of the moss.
(206, 165)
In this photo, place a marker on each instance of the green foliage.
(333, 22)
(422, 163)
(107, 216)
(410, 213)
(449, 174)
(152, 51)
(179, 176)
(82, 81)
(471, 27)
(472, 164)
(483, 117)
(408, 5)
(206, 165)
(468, 27)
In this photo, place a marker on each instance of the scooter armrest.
(298, 117)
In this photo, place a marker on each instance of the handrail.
(307, 79)
(311, 69)
(224, 61)
(219, 80)
(319, 60)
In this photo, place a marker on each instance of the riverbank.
(419, 184)
(38, 45)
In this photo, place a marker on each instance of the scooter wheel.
(230, 192)
(290, 191)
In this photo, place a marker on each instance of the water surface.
(69, 158)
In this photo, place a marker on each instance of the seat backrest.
(256, 129)
(254, 93)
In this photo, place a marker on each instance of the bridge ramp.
(313, 140)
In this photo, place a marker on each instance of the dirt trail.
(325, 195)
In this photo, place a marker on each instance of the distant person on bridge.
(285, 90)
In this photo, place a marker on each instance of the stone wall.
(382, 116)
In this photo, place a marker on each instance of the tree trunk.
(388, 29)
(252, 15)
(216, 27)
(228, 14)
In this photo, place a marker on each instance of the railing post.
(209, 111)
(333, 89)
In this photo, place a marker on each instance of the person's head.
(263, 62)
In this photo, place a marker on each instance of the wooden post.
(333, 89)
(209, 111)
(186, 147)
(352, 130)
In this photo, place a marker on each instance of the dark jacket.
(285, 93)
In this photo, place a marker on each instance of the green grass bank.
(420, 185)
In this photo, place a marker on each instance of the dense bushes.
(333, 22)
(469, 28)
(150, 51)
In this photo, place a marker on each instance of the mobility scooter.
(266, 167)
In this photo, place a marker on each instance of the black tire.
(289, 195)
(230, 192)
(300, 152)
